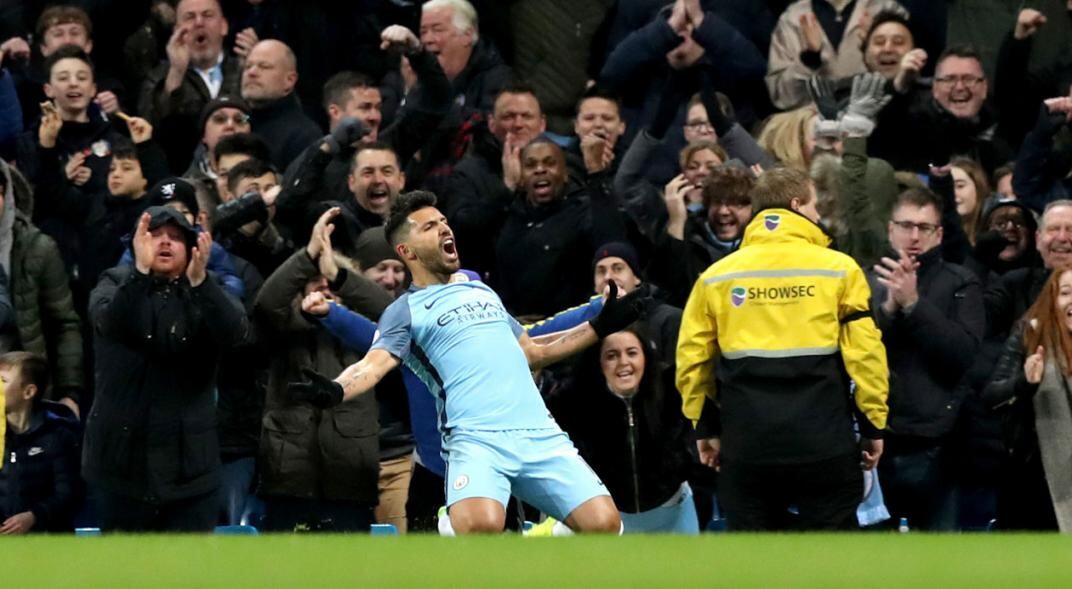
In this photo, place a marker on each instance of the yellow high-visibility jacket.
(781, 325)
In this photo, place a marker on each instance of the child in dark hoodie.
(40, 487)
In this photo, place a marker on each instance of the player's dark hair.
(243, 143)
(251, 168)
(406, 204)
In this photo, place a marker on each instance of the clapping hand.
(899, 278)
(197, 269)
(143, 245)
(811, 33)
(319, 248)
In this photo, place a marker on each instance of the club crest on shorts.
(738, 296)
(772, 221)
(461, 482)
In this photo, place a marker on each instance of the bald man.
(268, 80)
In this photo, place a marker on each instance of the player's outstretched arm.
(359, 378)
(554, 347)
(617, 314)
(356, 380)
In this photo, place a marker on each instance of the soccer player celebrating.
(499, 437)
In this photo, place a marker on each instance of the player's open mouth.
(74, 95)
(201, 39)
(448, 248)
(164, 255)
(888, 60)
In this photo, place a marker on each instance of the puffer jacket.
(44, 310)
(40, 473)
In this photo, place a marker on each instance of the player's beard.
(434, 262)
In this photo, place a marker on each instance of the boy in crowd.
(39, 484)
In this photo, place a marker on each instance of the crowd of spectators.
(185, 186)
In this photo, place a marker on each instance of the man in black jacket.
(197, 71)
(481, 187)
(1009, 296)
(545, 247)
(926, 124)
(618, 261)
(932, 321)
(449, 30)
(268, 79)
(151, 448)
(321, 173)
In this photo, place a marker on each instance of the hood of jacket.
(7, 219)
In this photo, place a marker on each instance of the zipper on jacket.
(632, 451)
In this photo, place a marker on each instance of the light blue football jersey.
(460, 341)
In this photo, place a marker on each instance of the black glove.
(988, 246)
(1049, 123)
(619, 313)
(822, 91)
(348, 132)
(320, 391)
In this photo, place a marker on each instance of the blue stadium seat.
(383, 530)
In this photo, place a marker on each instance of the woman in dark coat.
(622, 412)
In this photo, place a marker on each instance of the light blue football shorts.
(539, 466)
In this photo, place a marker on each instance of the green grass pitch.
(859, 561)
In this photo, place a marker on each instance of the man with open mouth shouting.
(197, 71)
(551, 233)
(476, 358)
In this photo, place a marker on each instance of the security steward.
(778, 329)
